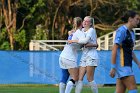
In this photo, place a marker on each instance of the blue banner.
(42, 67)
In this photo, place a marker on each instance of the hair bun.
(123, 18)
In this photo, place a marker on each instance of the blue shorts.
(124, 71)
(65, 76)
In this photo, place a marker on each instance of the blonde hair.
(78, 21)
(91, 21)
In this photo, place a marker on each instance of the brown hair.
(128, 14)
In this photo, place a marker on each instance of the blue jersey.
(125, 39)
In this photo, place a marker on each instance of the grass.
(21, 88)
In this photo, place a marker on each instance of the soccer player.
(122, 54)
(68, 57)
(89, 59)
(65, 73)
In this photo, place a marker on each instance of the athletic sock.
(93, 86)
(133, 91)
(75, 84)
(62, 87)
(69, 86)
(79, 87)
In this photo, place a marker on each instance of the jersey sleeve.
(119, 37)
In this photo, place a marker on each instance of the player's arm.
(95, 37)
(113, 60)
(80, 41)
(135, 59)
(119, 37)
(91, 45)
(114, 53)
(71, 31)
(83, 40)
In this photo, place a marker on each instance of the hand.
(112, 72)
(72, 41)
(69, 41)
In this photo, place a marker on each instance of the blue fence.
(42, 67)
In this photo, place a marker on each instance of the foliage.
(55, 18)
(20, 39)
(4, 44)
(41, 34)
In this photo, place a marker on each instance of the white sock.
(69, 87)
(79, 87)
(75, 84)
(62, 87)
(93, 86)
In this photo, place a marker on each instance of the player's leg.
(120, 87)
(130, 84)
(91, 65)
(79, 86)
(90, 77)
(74, 77)
(62, 87)
(64, 78)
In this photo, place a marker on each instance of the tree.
(51, 19)
(9, 11)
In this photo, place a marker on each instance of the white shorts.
(88, 62)
(66, 63)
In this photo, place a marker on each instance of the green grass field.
(47, 89)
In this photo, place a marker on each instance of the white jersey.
(90, 51)
(70, 50)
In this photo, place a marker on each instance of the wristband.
(113, 65)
